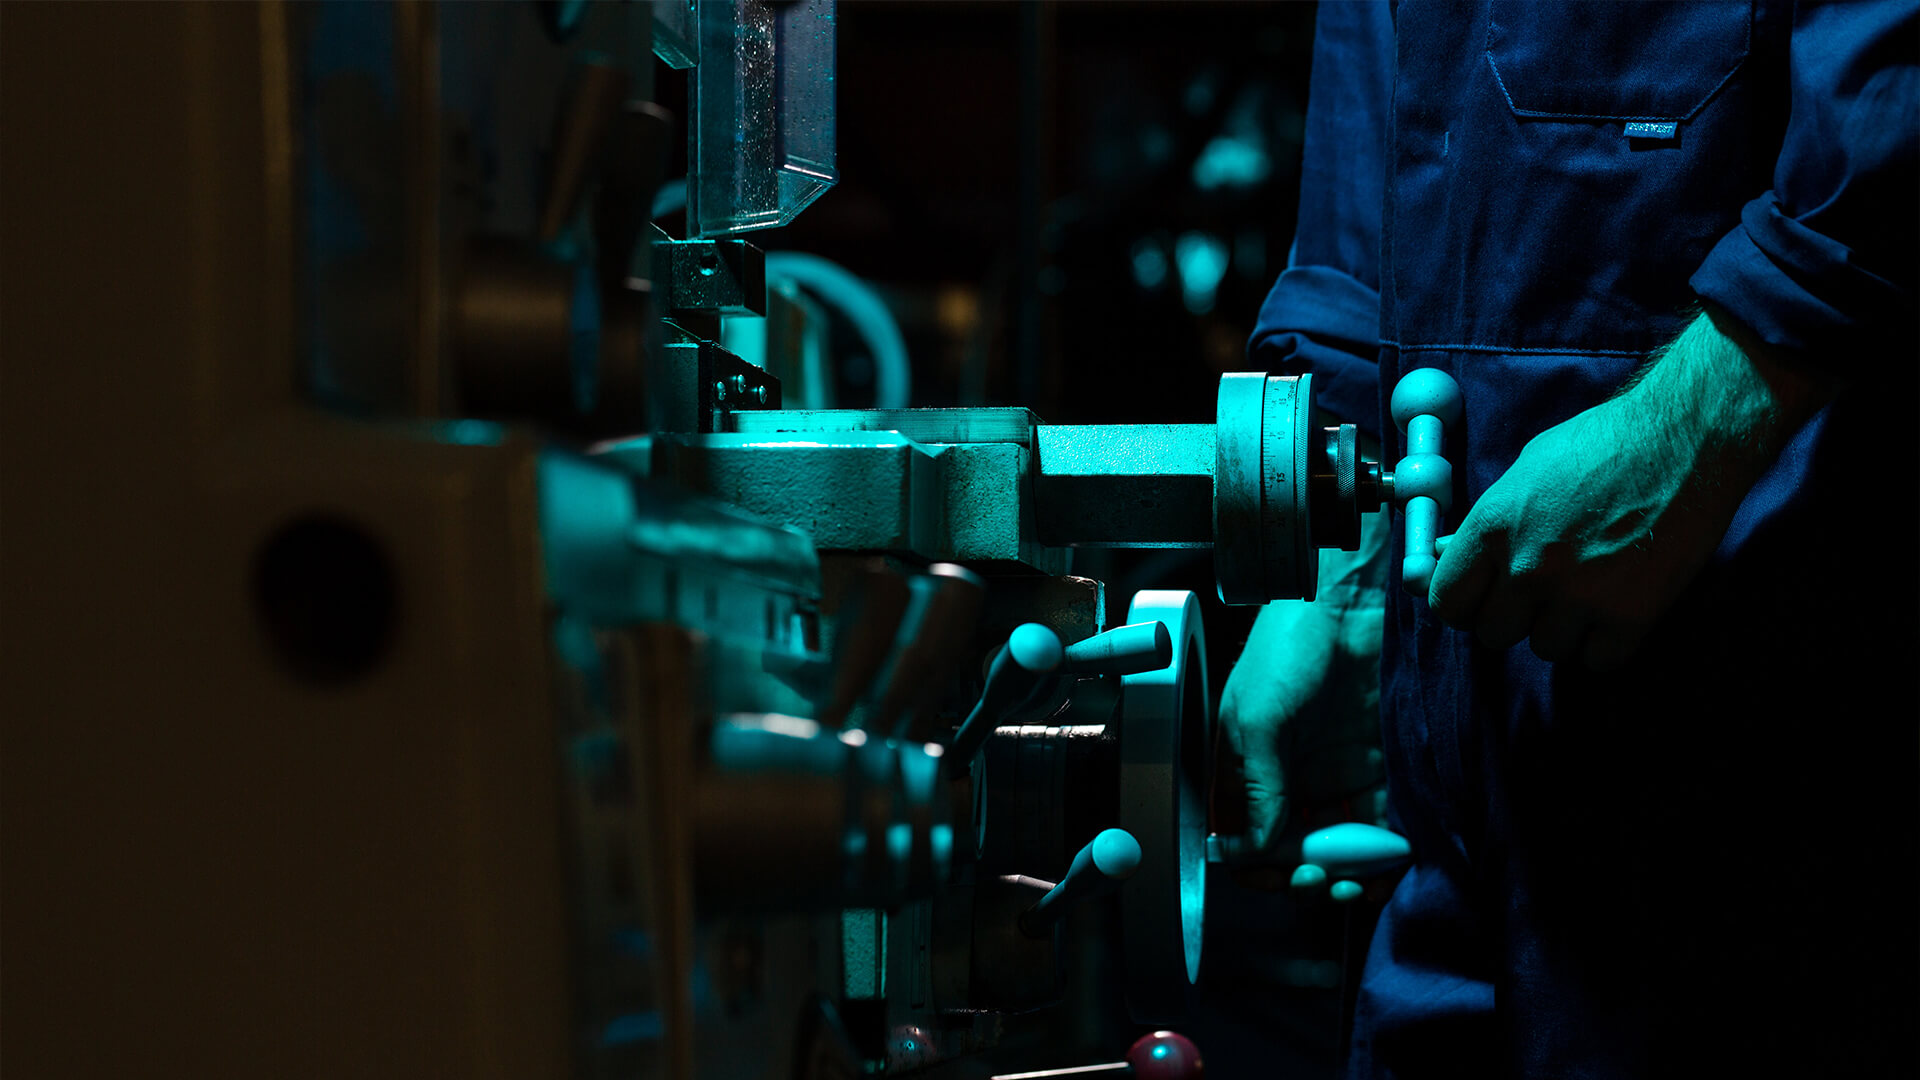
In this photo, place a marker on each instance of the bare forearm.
(1599, 525)
(1726, 400)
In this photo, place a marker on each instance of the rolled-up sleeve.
(1824, 265)
(1323, 314)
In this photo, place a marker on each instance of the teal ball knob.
(1035, 647)
(1425, 392)
(1424, 474)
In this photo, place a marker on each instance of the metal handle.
(1021, 665)
(1426, 402)
(1108, 859)
(1124, 650)
(1161, 1055)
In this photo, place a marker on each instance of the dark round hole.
(328, 597)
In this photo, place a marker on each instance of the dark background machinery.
(370, 712)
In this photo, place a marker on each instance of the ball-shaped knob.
(1115, 853)
(1165, 1055)
(1098, 869)
(1035, 647)
(1424, 474)
(1425, 392)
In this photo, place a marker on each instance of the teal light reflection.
(632, 1028)
(1149, 264)
(1231, 162)
(469, 433)
(1202, 261)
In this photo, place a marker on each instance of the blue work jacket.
(1533, 196)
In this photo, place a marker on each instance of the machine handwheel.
(1166, 721)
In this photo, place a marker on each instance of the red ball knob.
(1165, 1055)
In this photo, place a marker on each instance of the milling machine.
(540, 696)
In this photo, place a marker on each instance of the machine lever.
(870, 612)
(591, 107)
(945, 607)
(1354, 849)
(1426, 402)
(1108, 859)
(1124, 650)
(1163, 1055)
(635, 162)
(1018, 669)
(1033, 652)
(1342, 854)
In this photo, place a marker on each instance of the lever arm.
(1426, 402)
(1124, 650)
(1108, 859)
(1018, 669)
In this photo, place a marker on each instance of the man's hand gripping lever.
(1599, 525)
(1304, 644)
(1300, 727)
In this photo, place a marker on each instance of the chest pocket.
(1615, 61)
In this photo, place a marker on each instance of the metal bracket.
(712, 277)
(705, 383)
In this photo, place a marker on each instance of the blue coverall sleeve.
(1824, 264)
(1323, 314)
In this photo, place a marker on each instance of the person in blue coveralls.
(1651, 729)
